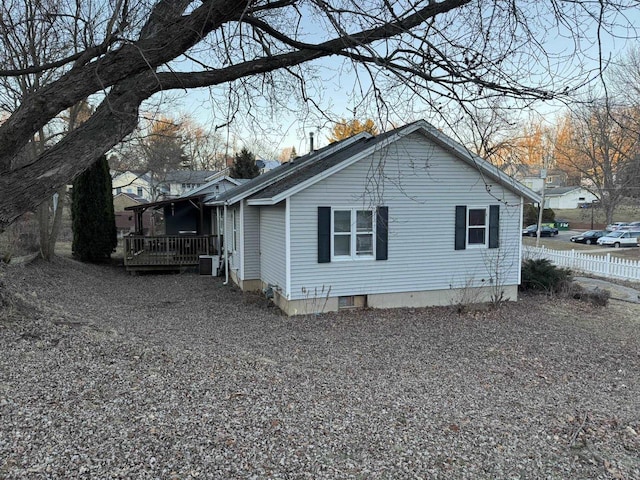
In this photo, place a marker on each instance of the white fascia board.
(261, 201)
(230, 179)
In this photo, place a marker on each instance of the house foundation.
(460, 296)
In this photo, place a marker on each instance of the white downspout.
(226, 250)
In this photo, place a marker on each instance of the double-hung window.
(477, 227)
(353, 233)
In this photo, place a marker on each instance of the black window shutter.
(494, 226)
(324, 234)
(382, 233)
(461, 227)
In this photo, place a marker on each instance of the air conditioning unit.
(209, 265)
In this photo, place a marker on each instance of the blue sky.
(339, 86)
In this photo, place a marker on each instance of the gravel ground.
(104, 375)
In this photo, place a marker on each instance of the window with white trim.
(353, 233)
(477, 227)
(235, 243)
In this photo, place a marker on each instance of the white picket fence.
(601, 265)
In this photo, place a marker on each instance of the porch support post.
(139, 213)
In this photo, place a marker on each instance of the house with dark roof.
(407, 218)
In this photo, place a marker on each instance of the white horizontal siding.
(251, 242)
(421, 184)
(272, 245)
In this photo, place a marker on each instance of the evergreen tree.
(94, 223)
(244, 165)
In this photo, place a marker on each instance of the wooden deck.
(167, 252)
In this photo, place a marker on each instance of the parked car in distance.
(589, 237)
(631, 226)
(612, 227)
(620, 238)
(531, 231)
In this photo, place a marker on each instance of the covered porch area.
(191, 233)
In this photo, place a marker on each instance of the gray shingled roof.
(287, 176)
(312, 169)
(278, 173)
(188, 176)
(552, 192)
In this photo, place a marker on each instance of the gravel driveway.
(104, 375)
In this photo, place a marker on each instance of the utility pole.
(543, 176)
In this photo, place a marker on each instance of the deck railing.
(168, 250)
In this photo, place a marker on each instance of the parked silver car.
(620, 238)
(612, 227)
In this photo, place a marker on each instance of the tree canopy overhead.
(120, 53)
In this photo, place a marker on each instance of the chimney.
(310, 142)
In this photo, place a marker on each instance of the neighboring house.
(408, 218)
(178, 182)
(137, 183)
(217, 184)
(186, 213)
(153, 186)
(125, 221)
(568, 197)
(530, 177)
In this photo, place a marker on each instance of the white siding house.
(406, 218)
(568, 197)
(135, 183)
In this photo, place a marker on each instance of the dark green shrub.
(542, 275)
(94, 223)
(530, 216)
